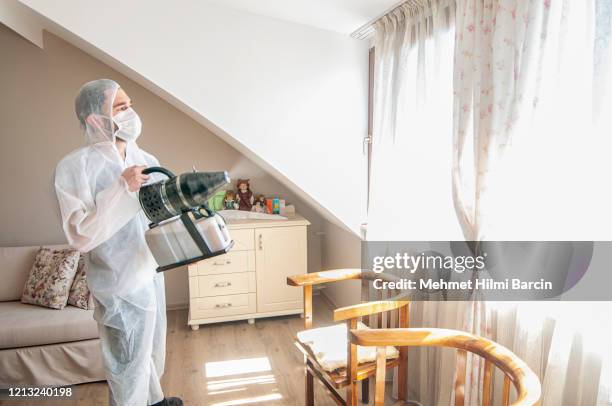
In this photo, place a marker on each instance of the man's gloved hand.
(134, 177)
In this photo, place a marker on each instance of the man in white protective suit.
(97, 189)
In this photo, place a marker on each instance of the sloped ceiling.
(342, 16)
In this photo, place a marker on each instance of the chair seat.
(328, 345)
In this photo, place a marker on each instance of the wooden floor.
(226, 364)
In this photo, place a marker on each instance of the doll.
(244, 196)
(260, 205)
(230, 200)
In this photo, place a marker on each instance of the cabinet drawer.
(219, 306)
(232, 262)
(244, 239)
(222, 284)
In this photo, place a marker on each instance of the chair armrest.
(368, 308)
(401, 337)
(315, 278)
(523, 378)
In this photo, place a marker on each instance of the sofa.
(41, 346)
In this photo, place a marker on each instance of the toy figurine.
(262, 200)
(260, 205)
(230, 201)
(244, 196)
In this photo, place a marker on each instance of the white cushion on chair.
(329, 346)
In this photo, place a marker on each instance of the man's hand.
(134, 177)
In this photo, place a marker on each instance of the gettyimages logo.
(412, 263)
(491, 270)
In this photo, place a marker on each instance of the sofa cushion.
(27, 325)
(15, 265)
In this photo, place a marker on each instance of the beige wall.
(341, 249)
(38, 127)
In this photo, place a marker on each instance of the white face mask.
(128, 123)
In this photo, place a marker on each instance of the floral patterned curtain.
(530, 140)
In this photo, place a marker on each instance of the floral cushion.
(50, 278)
(79, 292)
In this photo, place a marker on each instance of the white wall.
(290, 97)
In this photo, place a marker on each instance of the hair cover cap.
(94, 109)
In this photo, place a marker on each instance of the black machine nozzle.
(178, 194)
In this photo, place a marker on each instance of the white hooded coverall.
(101, 217)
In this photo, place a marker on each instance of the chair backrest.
(374, 302)
(515, 370)
(369, 294)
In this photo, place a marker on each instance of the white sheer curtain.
(411, 195)
(529, 132)
(411, 188)
(531, 149)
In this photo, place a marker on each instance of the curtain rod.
(367, 29)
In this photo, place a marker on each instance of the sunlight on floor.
(245, 379)
(232, 383)
(237, 367)
(257, 399)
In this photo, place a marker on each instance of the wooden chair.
(515, 370)
(388, 312)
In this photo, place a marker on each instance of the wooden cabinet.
(250, 281)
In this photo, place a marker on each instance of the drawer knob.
(227, 262)
(223, 284)
(223, 305)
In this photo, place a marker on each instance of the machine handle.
(223, 284)
(158, 169)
